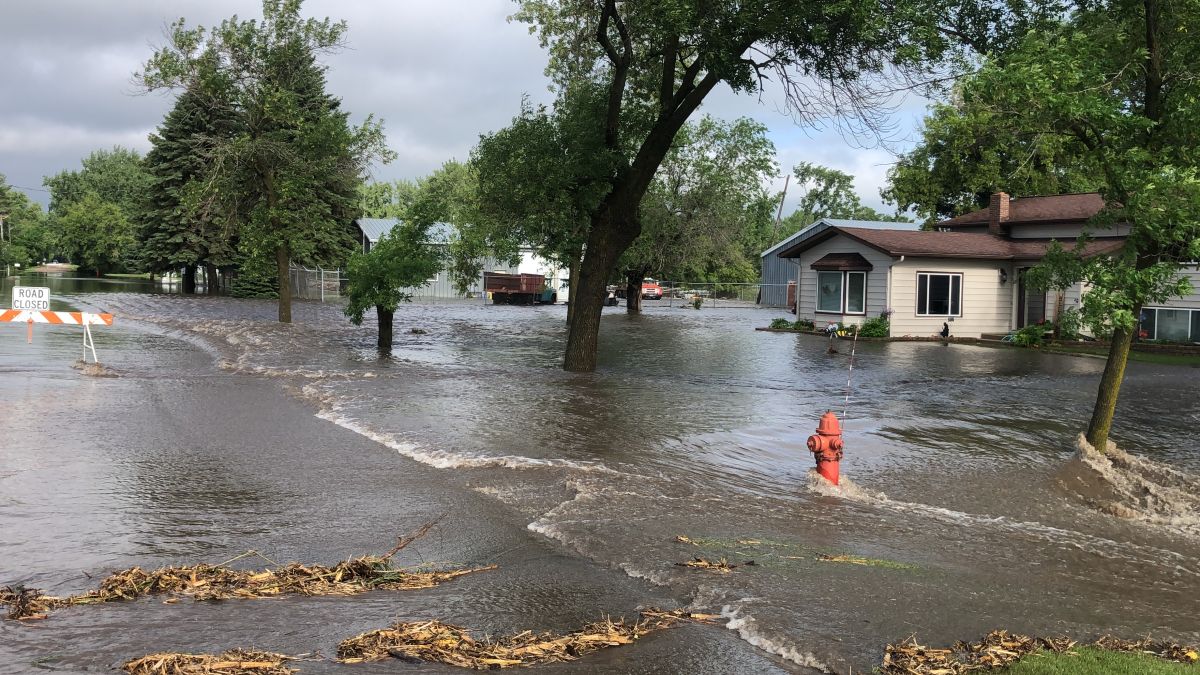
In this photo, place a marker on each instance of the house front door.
(1031, 304)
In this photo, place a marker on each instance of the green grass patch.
(770, 553)
(1192, 360)
(1093, 661)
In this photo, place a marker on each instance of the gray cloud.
(438, 73)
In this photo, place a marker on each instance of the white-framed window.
(939, 294)
(1170, 325)
(434, 279)
(841, 292)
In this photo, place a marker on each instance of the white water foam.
(747, 628)
(1140, 489)
(442, 459)
(1100, 546)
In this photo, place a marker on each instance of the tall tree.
(656, 63)
(540, 178)
(966, 154)
(703, 200)
(25, 237)
(96, 234)
(1116, 77)
(403, 259)
(179, 226)
(827, 193)
(115, 178)
(386, 200)
(290, 173)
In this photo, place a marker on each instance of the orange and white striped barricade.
(85, 319)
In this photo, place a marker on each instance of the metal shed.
(777, 272)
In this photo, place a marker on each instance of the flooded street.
(226, 431)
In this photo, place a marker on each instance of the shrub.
(804, 324)
(877, 327)
(781, 323)
(1069, 323)
(1030, 336)
(697, 301)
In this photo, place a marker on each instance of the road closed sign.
(35, 298)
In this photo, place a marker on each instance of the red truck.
(518, 289)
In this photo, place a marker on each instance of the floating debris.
(217, 582)
(1170, 651)
(233, 662)
(859, 560)
(26, 603)
(723, 566)
(999, 649)
(437, 642)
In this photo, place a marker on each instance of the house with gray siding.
(969, 272)
(777, 272)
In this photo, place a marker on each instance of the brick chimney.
(998, 214)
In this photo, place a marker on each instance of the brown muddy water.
(227, 432)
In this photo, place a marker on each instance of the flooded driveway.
(962, 496)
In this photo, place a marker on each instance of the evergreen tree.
(178, 227)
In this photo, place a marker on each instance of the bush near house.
(804, 324)
(877, 327)
(781, 323)
(1030, 336)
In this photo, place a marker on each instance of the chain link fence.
(675, 293)
(316, 284)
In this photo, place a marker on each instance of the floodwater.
(961, 481)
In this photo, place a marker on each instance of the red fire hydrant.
(826, 446)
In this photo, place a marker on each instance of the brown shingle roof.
(953, 244)
(968, 244)
(1049, 209)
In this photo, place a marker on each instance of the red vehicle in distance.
(651, 290)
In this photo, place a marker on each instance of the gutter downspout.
(888, 300)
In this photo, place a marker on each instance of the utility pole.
(3, 215)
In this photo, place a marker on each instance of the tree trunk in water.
(385, 330)
(282, 259)
(574, 267)
(1110, 387)
(210, 279)
(633, 291)
(189, 280)
(605, 244)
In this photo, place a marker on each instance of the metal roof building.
(777, 272)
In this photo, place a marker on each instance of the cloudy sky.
(438, 73)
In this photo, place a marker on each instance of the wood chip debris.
(434, 641)
(211, 582)
(233, 662)
(218, 582)
(999, 649)
(721, 566)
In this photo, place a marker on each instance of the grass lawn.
(1092, 661)
(143, 275)
(1134, 355)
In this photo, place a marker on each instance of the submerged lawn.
(1092, 661)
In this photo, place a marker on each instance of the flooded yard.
(963, 495)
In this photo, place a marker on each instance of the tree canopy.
(1115, 78)
(827, 193)
(640, 70)
(289, 173)
(114, 184)
(707, 199)
(381, 279)
(26, 239)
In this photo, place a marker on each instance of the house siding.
(987, 306)
(877, 281)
